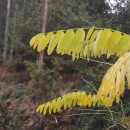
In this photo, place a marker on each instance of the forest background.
(23, 85)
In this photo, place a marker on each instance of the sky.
(113, 2)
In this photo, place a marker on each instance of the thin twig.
(122, 125)
(97, 61)
(121, 104)
(99, 110)
(100, 62)
(89, 83)
(110, 127)
(55, 119)
(83, 114)
(88, 22)
(86, 28)
(112, 118)
(117, 123)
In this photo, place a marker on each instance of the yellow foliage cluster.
(113, 83)
(80, 44)
(71, 100)
(93, 43)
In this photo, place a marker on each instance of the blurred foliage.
(43, 77)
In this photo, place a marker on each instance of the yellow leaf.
(106, 102)
(82, 99)
(112, 94)
(100, 45)
(73, 55)
(46, 107)
(118, 79)
(35, 40)
(32, 41)
(70, 101)
(53, 105)
(78, 95)
(85, 101)
(94, 35)
(113, 41)
(65, 101)
(59, 103)
(122, 82)
(66, 41)
(127, 68)
(43, 43)
(123, 45)
(94, 100)
(90, 100)
(76, 43)
(106, 87)
(89, 33)
(40, 108)
(74, 98)
(85, 51)
(55, 40)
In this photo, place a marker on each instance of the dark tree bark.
(44, 24)
(6, 31)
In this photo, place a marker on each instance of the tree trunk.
(14, 8)
(44, 23)
(6, 32)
